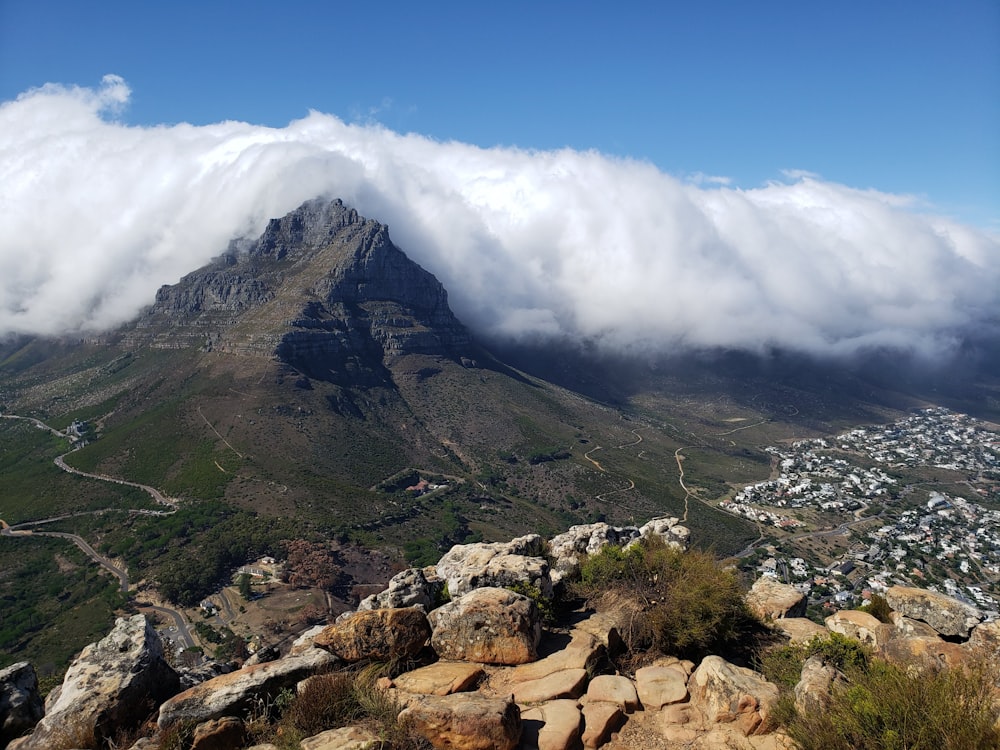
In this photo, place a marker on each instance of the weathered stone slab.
(946, 615)
(498, 564)
(229, 694)
(609, 688)
(566, 683)
(584, 651)
(440, 678)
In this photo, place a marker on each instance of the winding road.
(23, 530)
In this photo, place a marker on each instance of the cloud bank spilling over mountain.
(95, 215)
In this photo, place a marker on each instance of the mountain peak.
(323, 289)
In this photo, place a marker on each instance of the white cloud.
(95, 215)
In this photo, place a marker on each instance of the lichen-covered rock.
(110, 686)
(377, 634)
(985, 638)
(465, 721)
(20, 702)
(725, 693)
(414, 587)
(499, 564)
(229, 694)
(488, 626)
(669, 530)
(946, 615)
(585, 539)
(770, 599)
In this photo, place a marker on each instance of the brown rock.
(584, 651)
(465, 721)
(726, 693)
(440, 678)
(985, 638)
(771, 600)
(566, 683)
(600, 719)
(946, 615)
(377, 634)
(489, 626)
(907, 627)
(227, 733)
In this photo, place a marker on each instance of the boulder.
(20, 702)
(226, 733)
(555, 725)
(611, 688)
(377, 634)
(726, 693)
(946, 615)
(415, 587)
(470, 566)
(659, 686)
(343, 738)
(191, 676)
(465, 721)
(109, 687)
(770, 600)
(800, 629)
(488, 626)
(440, 678)
(235, 692)
(860, 626)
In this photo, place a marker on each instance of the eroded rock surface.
(946, 615)
(488, 626)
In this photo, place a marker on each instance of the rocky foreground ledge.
(496, 678)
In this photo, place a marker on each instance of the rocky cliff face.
(323, 289)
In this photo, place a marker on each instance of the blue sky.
(903, 97)
(818, 176)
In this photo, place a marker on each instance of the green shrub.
(878, 608)
(886, 706)
(545, 606)
(670, 602)
(782, 665)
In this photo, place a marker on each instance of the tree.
(244, 586)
